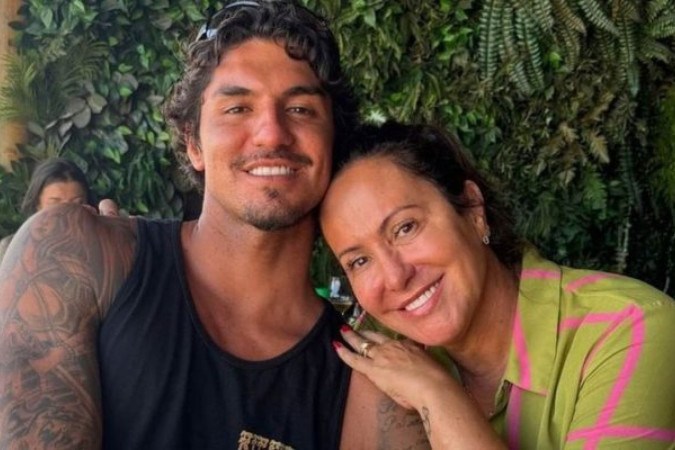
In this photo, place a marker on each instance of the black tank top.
(166, 385)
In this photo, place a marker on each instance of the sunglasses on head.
(207, 31)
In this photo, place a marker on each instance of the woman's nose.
(397, 272)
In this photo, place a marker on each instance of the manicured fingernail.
(345, 328)
(336, 345)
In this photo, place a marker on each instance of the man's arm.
(372, 420)
(57, 281)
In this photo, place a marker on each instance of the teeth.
(422, 299)
(267, 171)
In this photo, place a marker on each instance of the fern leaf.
(662, 27)
(532, 53)
(595, 14)
(538, 10)
(627, 41)
(568, 134)
(650, 49)
(510, 54)
(633, 79)
(627, 9)
(488, 30)
(508, 49)
(595, 114)
(518, 75)
(17, 96)
(606, 45)
(627, 173)
(564, 14)
(627, 50)
(543, 14)
(655, 7)
(570, 44)
(597, 145)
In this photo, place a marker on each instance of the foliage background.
(570, 103)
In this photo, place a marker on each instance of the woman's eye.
(405, 229)
(356, 263)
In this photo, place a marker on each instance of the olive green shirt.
(591, 363)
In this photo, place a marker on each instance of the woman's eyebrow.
(387, 219)
(381, 228)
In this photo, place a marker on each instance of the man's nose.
(272, 129)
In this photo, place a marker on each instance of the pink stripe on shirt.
(575, 285)
(623, 431)
(541, 274)
(515, 399)
(634, 318)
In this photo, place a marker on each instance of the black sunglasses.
(208, 32)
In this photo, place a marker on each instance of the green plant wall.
(568, 103)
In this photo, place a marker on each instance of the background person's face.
(62, 192)
(266, 136)
(413, 262)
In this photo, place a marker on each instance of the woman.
(54, 181)
(544, 356)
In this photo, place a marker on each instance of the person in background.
(54, 181)
(205, 334)
(544, 356)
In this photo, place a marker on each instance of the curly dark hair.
(437, 156)
(304, 35)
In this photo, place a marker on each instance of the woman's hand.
(405, 372)
(400, 368)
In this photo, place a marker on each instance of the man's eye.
(300, 110)
(235, 110)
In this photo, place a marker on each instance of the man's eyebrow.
(231, 90)
(305, 90)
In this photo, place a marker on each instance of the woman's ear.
(194, 151)
(476, 208)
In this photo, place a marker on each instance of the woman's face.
(413, 261)
(62, 192)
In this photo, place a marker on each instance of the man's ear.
(194, 151)
(476, 210)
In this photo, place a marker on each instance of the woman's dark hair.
(53, 170)
(438, 157)
(304, 35)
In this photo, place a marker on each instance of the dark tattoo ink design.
(392, 419)
(57, 281)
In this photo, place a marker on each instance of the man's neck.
(251, 286)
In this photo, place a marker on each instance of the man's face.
(265, 137)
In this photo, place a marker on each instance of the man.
(205, 334)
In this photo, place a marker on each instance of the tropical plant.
(568, 102)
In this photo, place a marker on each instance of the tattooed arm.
(372, 420)
(57, 281)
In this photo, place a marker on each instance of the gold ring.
(364, 348)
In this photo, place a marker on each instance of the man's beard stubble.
(278, 217)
